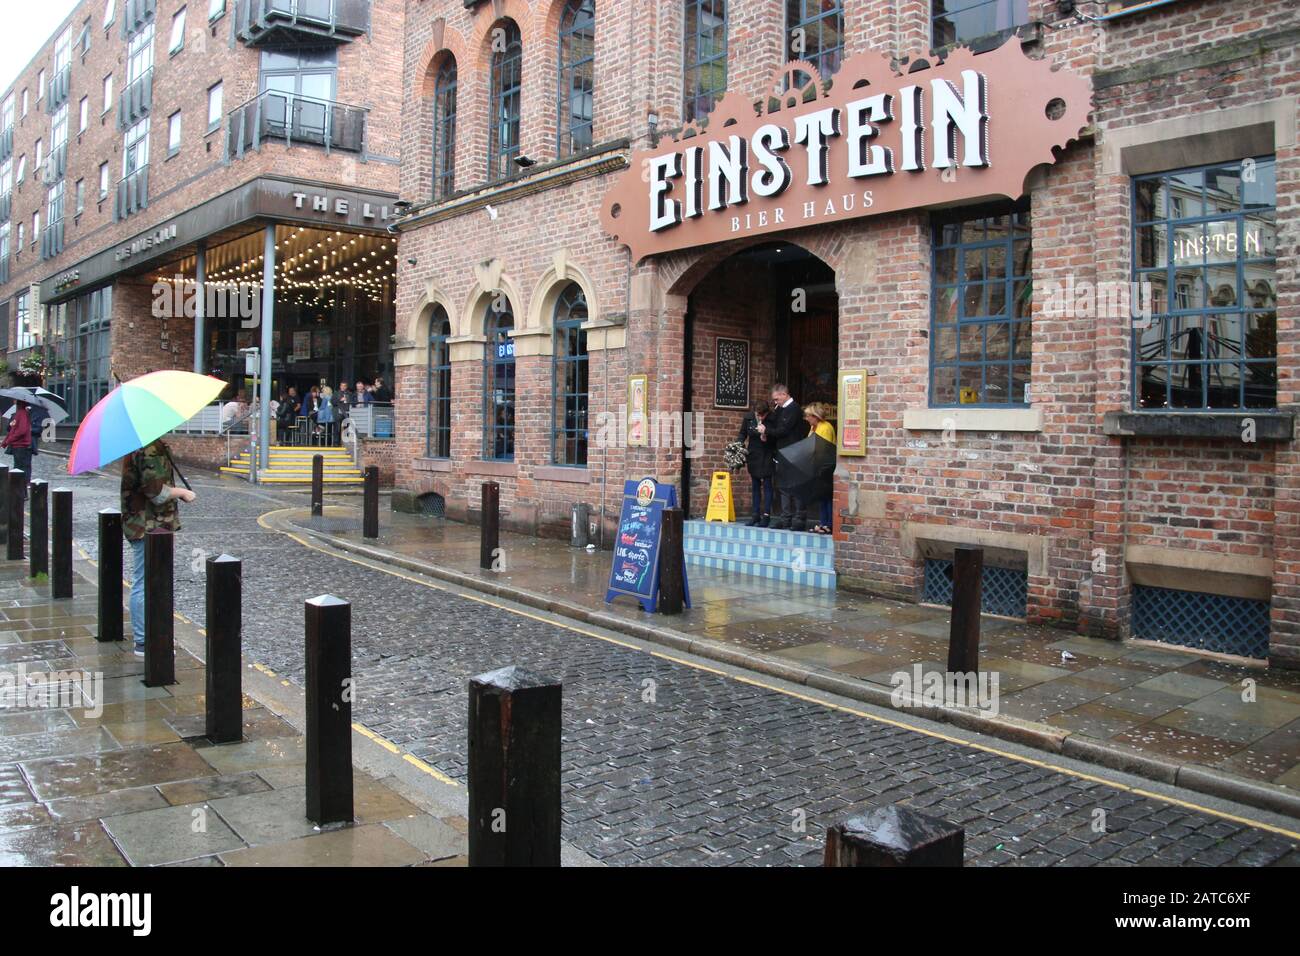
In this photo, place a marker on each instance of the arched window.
(499, 380)
(570, 393)
(704, 62)
(438, 424)
(444, 130)
(507, 86)
(577, 67)
(815, 32)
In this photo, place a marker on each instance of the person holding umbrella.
(18, 440)
(817, 415)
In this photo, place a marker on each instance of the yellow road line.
(420, 764)
(985, 748)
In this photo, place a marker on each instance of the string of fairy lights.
(310, 273)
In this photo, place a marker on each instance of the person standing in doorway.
(18, 440)
(784, 426)
(325, 416)
(363, 396)
(817, 416)
(149, 499)
(758, 461)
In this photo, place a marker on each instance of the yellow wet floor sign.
(721, 505)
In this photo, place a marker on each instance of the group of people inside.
(770, 427)
(325, 409)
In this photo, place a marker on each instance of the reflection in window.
(1205, 246)
(438, 422)
(499, 380)
(577, 76)
(444, 130)
(705, 57)
(507, 87)
(815, 32)
(570, 393)
(960, 21)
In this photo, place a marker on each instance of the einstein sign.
(877, 140)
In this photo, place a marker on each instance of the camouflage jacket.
(144, 473)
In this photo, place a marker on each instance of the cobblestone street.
(707, 769)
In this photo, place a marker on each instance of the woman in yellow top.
(817, 416)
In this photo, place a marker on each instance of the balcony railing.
(59, 89)
(6, 143)
(300, 22)
(132, 193)
(135, 14)
(52, 239)
(295, 121)
(55, 165)
(135, 101)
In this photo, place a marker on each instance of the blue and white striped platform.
(795, 557)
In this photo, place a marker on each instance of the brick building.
(1090, 373)
(149, 150)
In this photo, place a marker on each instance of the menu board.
(635, 571)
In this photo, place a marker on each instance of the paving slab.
(170, 835)
(373, 845)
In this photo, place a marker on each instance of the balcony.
(135, 14)
(281, 23)
(52, 240)
(59, 89)
(6, 143)
(135, 101)
(132, 193)
(295, 121)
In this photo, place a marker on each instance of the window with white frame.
(139, 54)
(110, 8)
(63, 51)
(59, 129)
(6, 177)
(135, 152)
(103, 181)
(108, 93)
(36, 227)
(21, 174)
(216, 8)
(214, 107)
(7, 113)
(40, 86)
(22, 232)
(23, 336)
(178, 33)
(83, 119)
(40, 153)
(26, 108)
(81, 197)
(4, 243)
(54, 203)
(174, 133)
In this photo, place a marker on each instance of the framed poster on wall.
(302, 346)
(853, 412)
(731, 373)
(638, 434)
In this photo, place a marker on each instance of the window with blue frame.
(815, 32)
(577, 77)
(981, 295)
(704, 60)
(499, 380)
(1205, 252)
(438, 422)
(570, 389)
(507, 90)
(444, 129)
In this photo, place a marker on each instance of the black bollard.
(672, 589)
(39, 536)
(894, 836)
(964, 633)
(514, 769)
(370, 520)
(159, 625)
(17, 492)
(61, 533)
(329, 710)
(110, 575)
(317, 485)
(224, 682)
(490, 526)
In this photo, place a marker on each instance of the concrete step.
(772, 554)
(783, 571)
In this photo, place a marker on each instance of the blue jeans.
(137, 592)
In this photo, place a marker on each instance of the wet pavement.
(98, 770)
(667, 760)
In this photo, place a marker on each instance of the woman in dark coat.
(758, 459)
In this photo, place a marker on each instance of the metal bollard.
(514, 769)
(110, 575)
(964, 632)
(317, 485)
(370, 513)
(17, 493)
(224, 680)
(490, 526)
(61, 533)
(672, 589)
(159, 625)
(329, 710)
(39, 536)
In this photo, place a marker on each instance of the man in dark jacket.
(784, 426)
(758, 460)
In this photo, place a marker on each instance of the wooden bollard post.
(672, 590)
(17, 492)
(110, 575)
(490, 526)
(370, 502)
(894, 836)
(159, 626)
(317, 485)
(514, 769)
(61, 540)
(964, 633)
(224, 680)
(329, 710)
(39, 535)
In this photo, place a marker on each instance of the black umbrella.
(804, 469)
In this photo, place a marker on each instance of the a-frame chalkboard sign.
(635, 572)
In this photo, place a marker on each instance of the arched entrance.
(775, 306)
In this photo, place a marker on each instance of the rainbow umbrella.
(138, 412)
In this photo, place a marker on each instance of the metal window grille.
(569, 378)
(815, 32)
(1209, 622)
(577, 61)
(1003, 591)
(507, 89)
(704, 63)
(438, 426)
